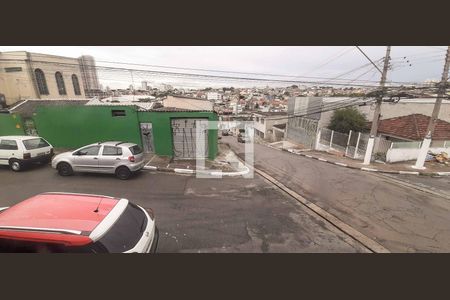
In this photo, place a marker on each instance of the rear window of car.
(136, 150)
(35, 144)
(126, 232)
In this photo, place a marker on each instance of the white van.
(20, 151)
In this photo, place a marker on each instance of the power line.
(331, 59)
(212, 77)
(369, 59)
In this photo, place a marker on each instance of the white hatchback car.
(119, 158)
(20, 151)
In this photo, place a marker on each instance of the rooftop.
(176, 109)
(413, 127)
(280, 126)
(271, 113)
(28, 107)
(62, 211)
(194, 98)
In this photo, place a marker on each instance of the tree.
(346, 119)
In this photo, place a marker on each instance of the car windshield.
(35, 144)
(126, 232)
(136, 150)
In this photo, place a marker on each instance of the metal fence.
(353, 144)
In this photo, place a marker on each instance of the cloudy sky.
(327, 62)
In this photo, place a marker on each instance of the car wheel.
(64, 169)
(15, 165)
(123, 173)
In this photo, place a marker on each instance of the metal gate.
(147, 137)
(188, 141)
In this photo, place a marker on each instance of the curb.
(190, 171)
(371, 169)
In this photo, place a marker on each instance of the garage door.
(187, 140)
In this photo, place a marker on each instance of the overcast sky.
(427, 62)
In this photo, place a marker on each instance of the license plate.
(40, 154)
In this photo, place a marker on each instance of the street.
(198, 215)
(400, 218)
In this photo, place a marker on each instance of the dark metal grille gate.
(186, 137)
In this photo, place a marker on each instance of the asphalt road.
(437, 184)
(198, 215)
(402, 219)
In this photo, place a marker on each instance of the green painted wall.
(162, 131)
(76, 126)
(11, 124)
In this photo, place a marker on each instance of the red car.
(74, 223)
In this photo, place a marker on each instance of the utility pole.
(434, 116)
(376, 114)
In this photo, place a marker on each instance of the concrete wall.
(188, 103)
(402, 154)
(11, 124)
(16, 85)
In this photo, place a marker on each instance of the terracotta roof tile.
(413, 127)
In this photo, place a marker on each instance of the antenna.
(100, 202)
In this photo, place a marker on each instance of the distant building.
(183, 102)
(25, 75)
(144, 85)
(214, 96)
(89, 75)
(264, 122)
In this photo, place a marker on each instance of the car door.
(109, 159)
(8, 149)
(86, 159)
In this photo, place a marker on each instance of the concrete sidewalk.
(225, 164)
(432, 169)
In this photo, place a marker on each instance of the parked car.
(74, 223)
(243, 138)
(119, 158)
(21, 151)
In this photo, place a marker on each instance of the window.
(76, 85)
(126, 232)
(118, 113)
(8, 145)
(41, 82)
(136, 150)
(35, 144)
(262, 121)
(112, 151)
(60, 83)
(91, 150)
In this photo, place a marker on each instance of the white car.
(20, 151)
(114, 157)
